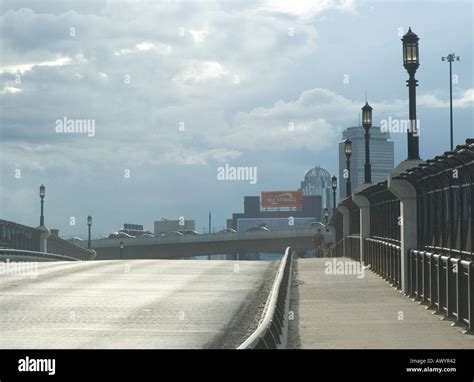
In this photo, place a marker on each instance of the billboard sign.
(281, 199)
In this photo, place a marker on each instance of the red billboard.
(277, 199)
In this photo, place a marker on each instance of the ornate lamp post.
(348, 152)
(334, 188)
(89, 224)
(367, 123)
(450, 58)
(42, 193)
(411, 62)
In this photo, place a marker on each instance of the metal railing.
(338, 250)
(384, 258)
(61, 247)
(445, 199)
(268, 333)
(24, 255)
(352, 247)
(445, 283)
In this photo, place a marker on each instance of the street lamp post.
(334, 188)
(450, 58)
(42, 193)
(367, 123)
(209, 256)
(89, 224)
(121, 249)
(348, 152)
(411, 62)
(326, 216)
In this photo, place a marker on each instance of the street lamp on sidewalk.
(411, 62)
(334, 188)
(42, 193)
(89, 224)
(367, 123)
(348, 152)
(451, 58)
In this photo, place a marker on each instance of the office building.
(381, 157)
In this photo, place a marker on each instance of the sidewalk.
(343, 311)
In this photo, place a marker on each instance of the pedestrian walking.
(318, 240)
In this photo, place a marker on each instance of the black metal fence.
(352, 247)
(445, 194)
(440, 268)
(336, 222)
(384, 213)
(384, 259)
(338, 250)
(445, 283)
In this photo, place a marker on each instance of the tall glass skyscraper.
(381, 157)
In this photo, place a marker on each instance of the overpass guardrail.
(268, 334)
(24, 255)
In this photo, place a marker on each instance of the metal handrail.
(386, 241)
(270, 328)
(449, 251)
(35, 254)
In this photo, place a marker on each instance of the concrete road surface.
(134, 304)
(342, 311)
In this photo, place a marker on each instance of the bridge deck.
(344, 311)
(134, 304)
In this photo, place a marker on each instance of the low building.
(133, 229)
(277, 210)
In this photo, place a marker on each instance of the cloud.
(199, 35)
(307, 9)
(462, 100)
(9, 90)
(139, 79)
(144, 47)
(201, 71)
(23, 68)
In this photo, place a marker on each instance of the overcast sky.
(234, 74)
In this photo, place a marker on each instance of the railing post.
(406, 193)
(345, 227)
(43, 238)
(364, 206)
(470, 293)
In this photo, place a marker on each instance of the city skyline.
(214, 84)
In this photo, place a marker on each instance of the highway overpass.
(300, 239)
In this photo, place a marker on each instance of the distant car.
(227, 230)
(189, 232)
(172, 233)
(257, 229)
(124, 235)
(74, 239)
(150, 235)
